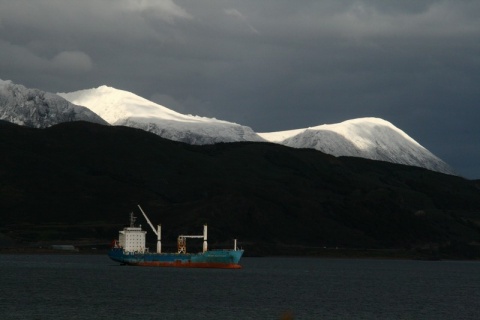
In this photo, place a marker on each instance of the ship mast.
(158, 232)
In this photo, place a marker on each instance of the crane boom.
(151, 225)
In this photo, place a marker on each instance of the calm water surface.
(93, 287)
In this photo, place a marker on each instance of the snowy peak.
(364, 132)
(370, 138)
(39, 109)
(361, 130)
(120, 107)
(115, 105)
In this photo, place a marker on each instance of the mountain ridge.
(370, 138)
(120, 107)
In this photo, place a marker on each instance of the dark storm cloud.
(272, 65)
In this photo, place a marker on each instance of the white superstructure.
(132, 239)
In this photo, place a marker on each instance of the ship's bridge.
(132, 239)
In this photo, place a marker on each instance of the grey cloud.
(14, 57)
(162, 9)
(74, 61)
(237, 14)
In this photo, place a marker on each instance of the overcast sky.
(270, 64)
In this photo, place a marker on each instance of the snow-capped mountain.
(120, 107)
(39, 109)
(370, 138)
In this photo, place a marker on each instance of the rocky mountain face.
(39, 109)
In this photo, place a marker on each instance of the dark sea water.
(93, 287)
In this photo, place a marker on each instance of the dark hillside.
(80, 180)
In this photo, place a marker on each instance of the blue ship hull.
(227, 259)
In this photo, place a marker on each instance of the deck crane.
(158, 232)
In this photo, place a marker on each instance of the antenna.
(132, 220)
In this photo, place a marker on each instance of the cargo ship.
(130, 249)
